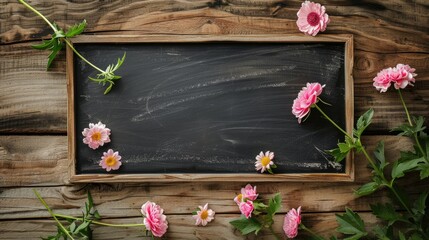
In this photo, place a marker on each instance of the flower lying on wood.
(110, 160)
(312, 18)
(203, 215)
(154, 219)
(291, 222)
(264, 162)
(60, 38)
(96, 135)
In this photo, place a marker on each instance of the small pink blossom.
(291, 222)
(249, 192)
(305, 100)
(96, 135)
(204, 216)
(110, 160)
(246, 208)
(154, 219)
(400, 76)
(312, 18)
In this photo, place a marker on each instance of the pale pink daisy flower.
(291, 222)
(246, 208)
(96, 135)
(264, 162)
(305, 100)
(204, 215)
(154, 219)
(110, 160)
(312, 18)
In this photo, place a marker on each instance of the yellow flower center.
(110, 161)
(265, 161)
(240, 197)
(204, 214)
(96, 136)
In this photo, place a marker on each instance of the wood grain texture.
(180, 227)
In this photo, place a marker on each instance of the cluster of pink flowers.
(400, 76)
(245, 200)
(312, 18)
(154, 219)
(307, 97)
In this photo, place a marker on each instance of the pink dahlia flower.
(154, 219)
(264, 161)
(204, 216)
(312, 18)
(246, 208)
(403, 76)
(110, 160)
(305, 100)
(96, 135)
(291, 222)
(383, 80)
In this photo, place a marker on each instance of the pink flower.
(110, 160)
(401, 76)
(249, 192)
(96, 135)
(291, 222)
(264, 161)
(312, 18)
(246, 208)
(154, 219)
(204, 216)
(305, 100)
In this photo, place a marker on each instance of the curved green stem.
(392, 188)
(81, 57)
(303, 227)
(101, 223)
(53, 214)
(39, 14)
(330, 120)
(411, 124)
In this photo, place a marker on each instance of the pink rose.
(246, 208)
(291, 222)
(312, 18)
(306, 98)
(154, 219)
(249, 192)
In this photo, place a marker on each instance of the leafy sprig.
(60, 38)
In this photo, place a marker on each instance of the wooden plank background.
(33, 113)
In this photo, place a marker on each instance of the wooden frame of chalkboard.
(346, 42)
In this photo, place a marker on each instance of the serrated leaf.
(400, 168)
(274, 205)
(424, 171)
(419, 206)
(379, 155)
(383, 233)
(351, 223)
(76, 29)
(386, 212)
(367, 189)
(363, 122)
(55, 49)
(337, 154)
(46, 44)
(246, 226)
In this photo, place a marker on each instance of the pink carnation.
(401, 76)
(96, 135)
(249, 192)
(154, 219)
(312, 18)
(305, 100)
(291, 222)
(246, 208)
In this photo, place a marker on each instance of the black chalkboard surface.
(210, 107)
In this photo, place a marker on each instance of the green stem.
(392, 188)
(101, 223)
(303, 227)
(411, 124)
(81, 57)
(52, 214)
(39, 14)
(330, 120)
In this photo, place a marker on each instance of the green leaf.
(400, 168)
(337, 154)
(383, 233)
(407, 130)
(246, 226)
(379, 155)
(76, 29)
(47, 44)
(401, 236)
(55, 49)
(351, 223)
(82, 226)
(274, 205)
(386, 212)
(363, 122)
(419, 206)
(367, 189)
(424, 171)
(72, 227)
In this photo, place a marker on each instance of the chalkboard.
(204, 108)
